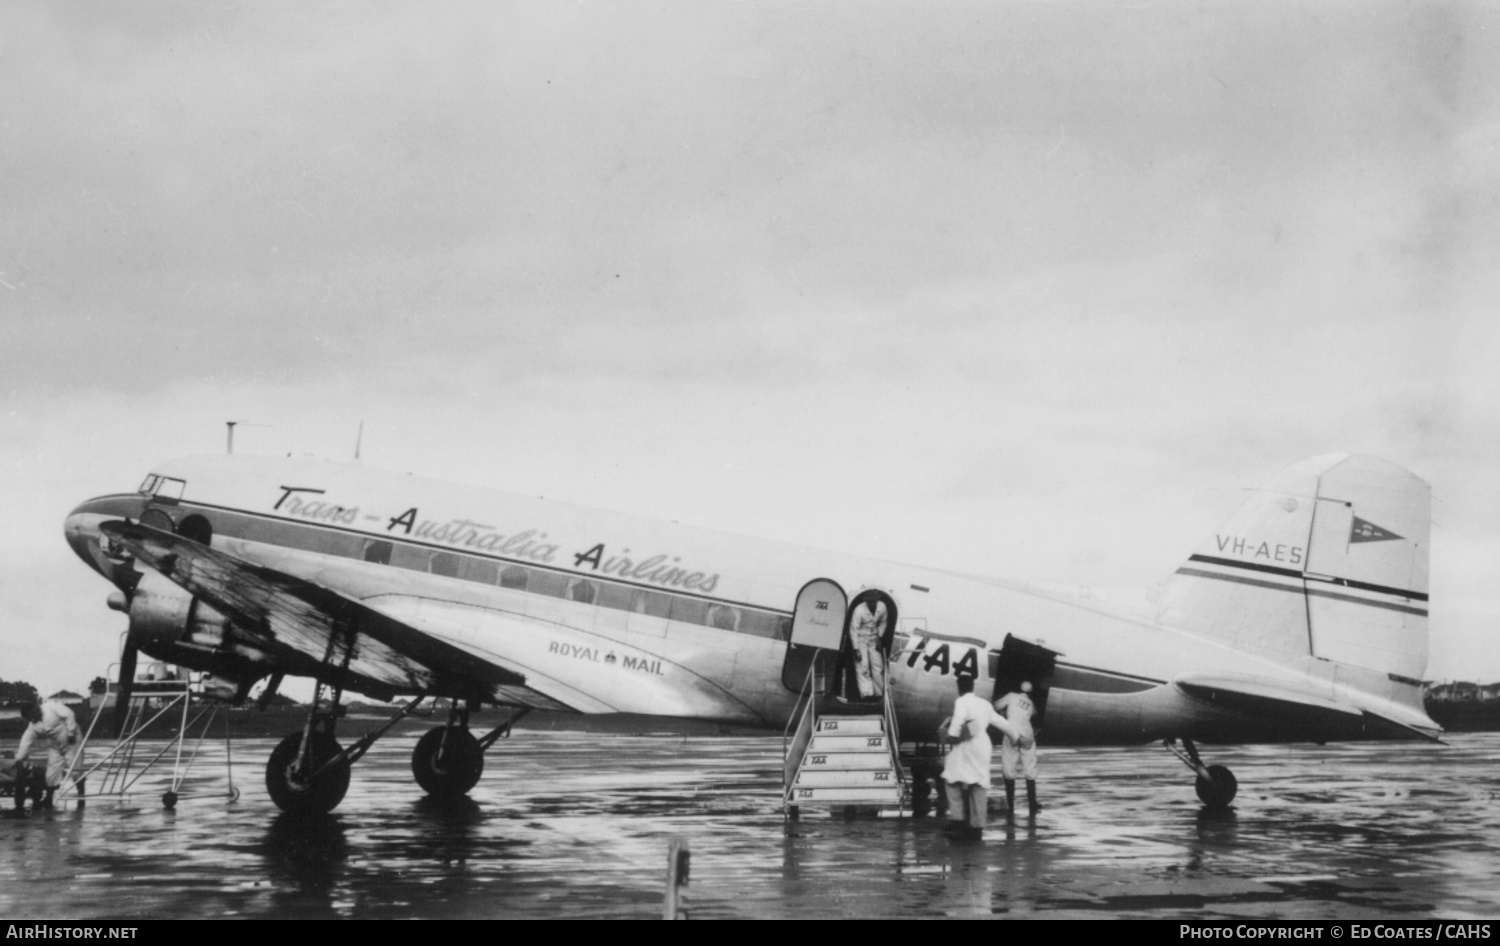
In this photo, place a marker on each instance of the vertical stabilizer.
(1327, 560)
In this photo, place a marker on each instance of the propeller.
(128, 657)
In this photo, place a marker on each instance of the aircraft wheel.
(297, 795)
(459, 768)
(1218, 791)
(169, 800)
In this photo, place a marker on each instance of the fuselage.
(610, 613)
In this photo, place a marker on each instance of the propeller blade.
(126, 685)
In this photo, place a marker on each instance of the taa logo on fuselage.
(941, 657)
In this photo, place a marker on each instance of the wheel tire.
(169, 800)
(458, 770)
(1219, 790)
(320, 797)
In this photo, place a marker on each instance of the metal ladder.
(116, 773)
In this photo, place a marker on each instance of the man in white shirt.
(52, 727)
(1018, 753)
(966, 772)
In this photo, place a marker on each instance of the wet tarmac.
(571, 825)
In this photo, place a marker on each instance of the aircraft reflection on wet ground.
(571, 825)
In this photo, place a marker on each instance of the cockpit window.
(167, 486)
(170, 488)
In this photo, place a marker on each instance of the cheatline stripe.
(1292, 573)
(1315, 592)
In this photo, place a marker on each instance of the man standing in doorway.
(867, 633)
(1018, 752)
(966, 772)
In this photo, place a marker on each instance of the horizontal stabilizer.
(1247, 693)
(1281, 704)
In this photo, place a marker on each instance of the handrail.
(797, 706)
(806, 719)
(893, 729)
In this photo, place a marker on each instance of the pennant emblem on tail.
(1362, 531)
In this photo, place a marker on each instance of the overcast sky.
(1026, 289)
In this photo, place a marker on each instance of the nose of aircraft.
(76, 529)
(81, 529)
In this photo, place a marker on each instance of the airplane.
(1302, 618)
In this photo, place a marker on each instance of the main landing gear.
(1216, 785)
(308, 772)
(448, 760)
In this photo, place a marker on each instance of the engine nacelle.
(170, 624)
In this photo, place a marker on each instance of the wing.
(308, 628)
(1286, 706)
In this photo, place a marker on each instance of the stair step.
(846, 796)
(846, 778)
(851, 725)
(837, 742)
(846, 761)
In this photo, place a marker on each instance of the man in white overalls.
(866, 633)
(52, 727)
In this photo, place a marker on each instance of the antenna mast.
(231, 424)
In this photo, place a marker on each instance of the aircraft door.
(1018, 661)
(817, 632)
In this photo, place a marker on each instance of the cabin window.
(445, 564)
(582, 591)
(377, 551)
(478, 569)
(761, 624)
(689, 610)
(548, 583)
(653, 603)
(148, 485)
(196, 529)
(514, 576)
(157, 519)
(409, 556)
(722, 617)
(325, 542)
(617, 597)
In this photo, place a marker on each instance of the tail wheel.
(295, 793)
(1219, 789)
(447, 770)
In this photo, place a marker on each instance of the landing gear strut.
(308, 772)
(1216, 785)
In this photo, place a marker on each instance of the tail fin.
(1329, 559)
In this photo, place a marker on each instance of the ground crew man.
(1018, 752)
(966, 771)
(52, 726)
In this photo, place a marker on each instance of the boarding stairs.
(842, 756)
